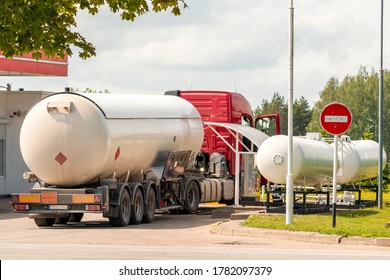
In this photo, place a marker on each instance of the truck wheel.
(150, 206)
(228, 202)
(192, 197)
(76, 217)
(137, 209)
(44, 222)
(62, 221)
(124, 211)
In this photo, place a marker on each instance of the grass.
(369, 222)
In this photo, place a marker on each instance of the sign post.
(336, 119)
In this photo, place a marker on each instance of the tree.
(360, 94)
(278, 104)
(89, 90)
(47, 25)
(301, 116)
(327, 95)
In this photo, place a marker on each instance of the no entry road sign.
(336, 118)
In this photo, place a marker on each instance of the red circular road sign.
(336, 118)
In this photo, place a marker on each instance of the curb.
(234, 228)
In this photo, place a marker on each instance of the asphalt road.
(180, 237)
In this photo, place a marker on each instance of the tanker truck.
(124, 156)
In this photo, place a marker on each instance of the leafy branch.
(33, 26)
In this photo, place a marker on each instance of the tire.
(76, 217)
(150, 206)
(137, 209)
(229, 202)
(124, 211)
(192, 197)
(62, 221)
(44, 222)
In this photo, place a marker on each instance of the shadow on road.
(93, 221)
(161, 222)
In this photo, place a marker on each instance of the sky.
(231, 45)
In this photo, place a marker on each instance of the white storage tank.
(70, 139)
(313, 160)
(358, 160)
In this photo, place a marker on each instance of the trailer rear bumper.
(57, 203)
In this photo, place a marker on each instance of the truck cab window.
(267, 125)
(263, 125)
(245, 121)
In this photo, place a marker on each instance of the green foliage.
(276, 105)
(368, 135)
(89, 90)
(364, 223)
(301, 113)
(373, 184)
(47, 25)
(360, 94)
(301, 116)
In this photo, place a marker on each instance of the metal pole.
(380, 136)
(335, 161)
(289, 177)
(237, 175)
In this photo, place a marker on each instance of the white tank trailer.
(313, 160)
(84, 138)
(120, 155)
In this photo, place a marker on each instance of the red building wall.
(26, 65)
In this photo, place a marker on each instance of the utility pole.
(380, 136)
(289, 176)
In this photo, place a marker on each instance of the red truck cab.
(223, 107)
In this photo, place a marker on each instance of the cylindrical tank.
(358, 160)
(69, 139)
(312, 160)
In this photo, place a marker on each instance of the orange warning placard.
(49, 197)
(83, 198)
(29, 198)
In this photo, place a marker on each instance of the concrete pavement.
(232, 226)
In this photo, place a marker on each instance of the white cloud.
(227, 45)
